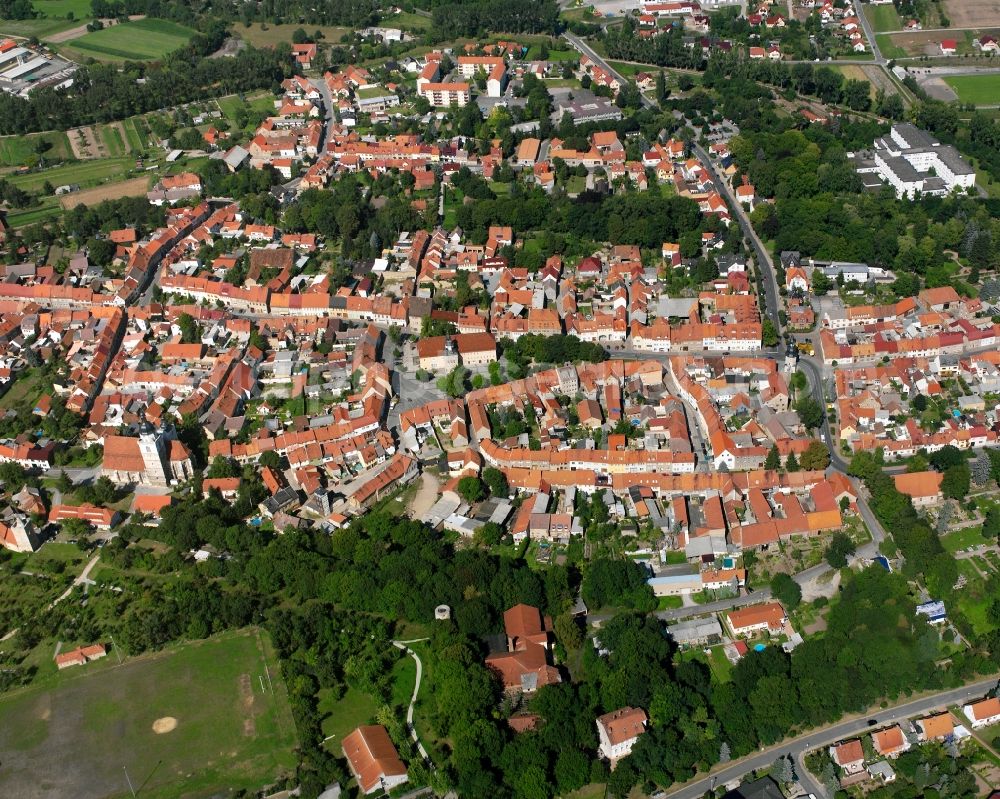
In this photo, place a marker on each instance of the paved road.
(416, 690)
(330, 120)
(798, 746)
(763, 260)
(587, 50)
(870, 35)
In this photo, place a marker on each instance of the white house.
(619, 730)
(983, 714)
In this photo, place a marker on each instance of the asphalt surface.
(584, 48)
(798, 746)
(870, 35)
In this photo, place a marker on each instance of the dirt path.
(426, 496)
(81, 30)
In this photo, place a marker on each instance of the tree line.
(106, 92)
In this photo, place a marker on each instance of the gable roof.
(372, 756)
(623, 724)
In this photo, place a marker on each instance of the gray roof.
(914, 136)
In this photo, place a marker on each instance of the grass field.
(75, 736)
(40, 27)
(58, 9)
(883, 18)
(141, 40)
(137, 133)
(83, 173)
(962, 539)
(888, 48)
(408, 21)
(340, 716)
(19, 150)
(977, 89)
(274, 35)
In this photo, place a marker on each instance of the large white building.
(911, 161)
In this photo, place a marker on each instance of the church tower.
(152, 444)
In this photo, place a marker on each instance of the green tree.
(840, 547)
(786, 590)
(792, 463)
(991, 523)
(190, 332)
(769, 334)
(773, 459)
(810, 412)
(946, 457)
(470, 489)
(816, 456)
(496, 481)
(955, 483)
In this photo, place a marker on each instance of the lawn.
(669, 603)
(404, 675)
(40, 27)
(963, 539)
(888, 47)
(407, 21)
(340, 716)
(976, 89)
(58, 9)
(232, 731)
(141, 40)
(49, 208)
(20, 150)
(27, 385)
(83, 173)
(268, 35)
(883, 18)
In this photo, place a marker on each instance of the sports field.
(141, 40)
(976, 89)
(193, 721)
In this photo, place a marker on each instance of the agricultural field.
(202, 718)
(135, 187)
(976, 89)
(970, 13)
(883, 18)
(266, 35)
(141, 40)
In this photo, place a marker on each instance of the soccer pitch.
(196, 720)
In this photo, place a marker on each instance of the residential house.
(850, 756)
(373, 759)
(935, 727)
(619, 730)
(984, 713)
(769, 617)
(923, 488)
